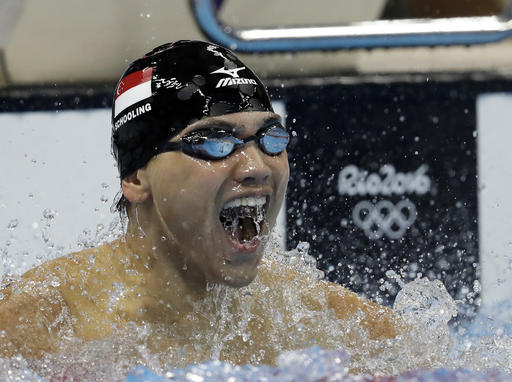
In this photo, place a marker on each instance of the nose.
(252, 168)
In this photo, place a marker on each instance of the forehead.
(244, 122)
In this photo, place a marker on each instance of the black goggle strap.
(168, 146)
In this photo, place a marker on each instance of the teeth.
(247, 201)
(235, 214)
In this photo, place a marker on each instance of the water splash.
(314, 364)
(234, 323)
(311, 365)
(17, 369)
(299, 259)
(425, 302)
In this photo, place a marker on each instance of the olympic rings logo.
(384, 218)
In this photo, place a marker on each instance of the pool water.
(431, 351)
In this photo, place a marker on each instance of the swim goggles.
(216, 144)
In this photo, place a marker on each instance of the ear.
(136, 187)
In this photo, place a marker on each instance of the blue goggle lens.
(274, 141)
(215, 147)
(218, 145)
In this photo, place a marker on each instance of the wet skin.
(175, 246)
(179, 198)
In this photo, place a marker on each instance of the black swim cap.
(173, 86)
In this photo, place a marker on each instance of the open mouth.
(243, 219)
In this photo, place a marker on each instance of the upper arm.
(380, 321)
(31, 322)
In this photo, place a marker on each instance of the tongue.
(246, 229)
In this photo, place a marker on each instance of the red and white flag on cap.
(132, 89)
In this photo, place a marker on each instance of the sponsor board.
(383, 177)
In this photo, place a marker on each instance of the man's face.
(215, 215)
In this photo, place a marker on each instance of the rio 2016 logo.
(384, 218)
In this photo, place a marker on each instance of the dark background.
(369, 125)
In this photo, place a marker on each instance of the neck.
(148, 235)
(165, 283)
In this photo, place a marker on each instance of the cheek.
(282, 171)
(188, 194)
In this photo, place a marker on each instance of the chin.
(240, 283)
(238, 280)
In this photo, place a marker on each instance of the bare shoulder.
(381, 322)
(76, 274)
(67, 267)
(37, 308)
(32, 317)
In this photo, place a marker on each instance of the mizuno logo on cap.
(230, 72)
(235, 78)
(235, 81)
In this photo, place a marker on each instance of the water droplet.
(104, 198)
(49, 213)
(477, 287)
(13, 224)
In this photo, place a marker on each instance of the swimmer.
(204, 169)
